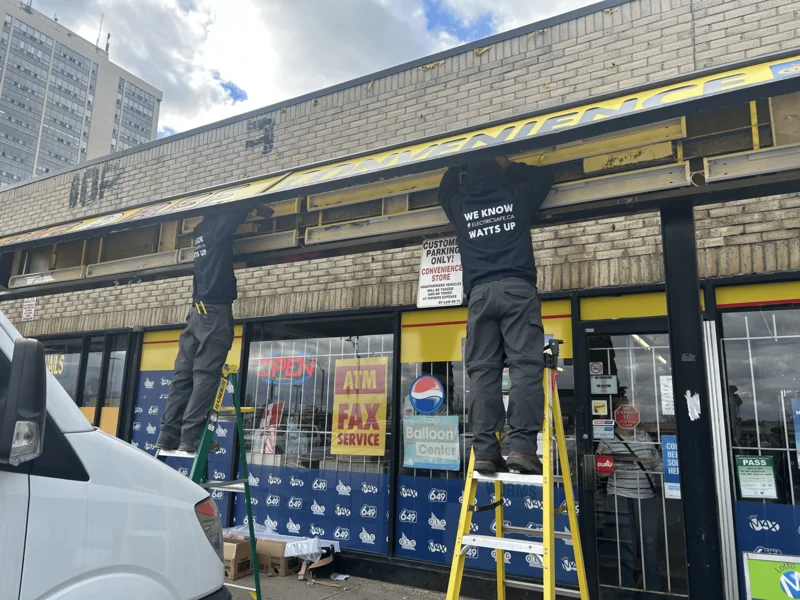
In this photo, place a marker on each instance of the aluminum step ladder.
(199, 471)
(544, 549)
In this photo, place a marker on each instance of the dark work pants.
(202, 349)
(505, 319)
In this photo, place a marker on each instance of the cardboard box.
(238, 562)
(271, 559)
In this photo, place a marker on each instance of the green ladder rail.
(199, 471)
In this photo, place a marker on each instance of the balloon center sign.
(359, 406)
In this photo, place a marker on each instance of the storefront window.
(91, 380)
(319, 441)
(116, 370)
(639, 511)
(761, 360)
(63, 359)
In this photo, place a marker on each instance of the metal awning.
(733, 85)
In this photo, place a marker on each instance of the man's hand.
(265, 211)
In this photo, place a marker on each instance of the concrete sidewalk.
(290, 588)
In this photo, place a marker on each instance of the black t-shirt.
(491, 211)
(214, 281)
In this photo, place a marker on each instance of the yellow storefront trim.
(160, 348)
(761, 294)
(437, 335)
(628, 306)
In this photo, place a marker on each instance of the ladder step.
(175, 454)
(224, 485)
(517, 478)
(490, 541)
(562, 535)
(538, 587)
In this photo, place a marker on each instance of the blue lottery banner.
(427, 518)
(151, 398)
(796, 417)
(431, 443)
(349, 507)
(766, 528)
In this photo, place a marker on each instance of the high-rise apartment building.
(62, 101)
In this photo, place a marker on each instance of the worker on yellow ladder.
(491, 205)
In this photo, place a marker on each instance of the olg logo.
(319, 485)
(437, 495)
(273, 500)
(369, 512)
(295, 503)
(270, 524)
(366, 537)
(316, 530)
(151, 429)
(254, 481)
(506, 501)
(534, 561)
(506, 556)
(317, 509)
(434, 547)
(295, 481)
(568, 565)
(292, 527)
(341, 533)
(437, 523)
(342, 489)
(221, 431)
(366, 488)
(408, 516)
(406, 543)
(472, 552)
(763, 524)
(341, 511)
(407, 492)
(272, 480)
(494, 525)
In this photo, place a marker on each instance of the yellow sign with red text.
(359, 406)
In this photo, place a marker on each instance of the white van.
(84, 515)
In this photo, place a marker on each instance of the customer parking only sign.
(440, 282)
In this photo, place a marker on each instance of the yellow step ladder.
(545, 549)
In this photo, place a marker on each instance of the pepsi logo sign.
(426, 395)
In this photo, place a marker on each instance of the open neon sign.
(286, 370)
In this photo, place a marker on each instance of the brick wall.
(633, 43)
(644, 39)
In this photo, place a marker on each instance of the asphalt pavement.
(290, 588)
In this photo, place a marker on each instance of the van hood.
(61, 408)
(110, 462)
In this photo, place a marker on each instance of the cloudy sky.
(217, 58)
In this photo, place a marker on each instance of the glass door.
(630, 473)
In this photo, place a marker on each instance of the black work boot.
(166, 442)
(528, 464)
(491, 465)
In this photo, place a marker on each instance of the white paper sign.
(28, 309)
(604, 384)
(440, 277)
(667, 397)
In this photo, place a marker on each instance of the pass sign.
(627, 417)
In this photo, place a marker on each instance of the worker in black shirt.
(208, 337)
(491, 205)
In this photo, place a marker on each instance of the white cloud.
(508, 14)
(271, 49)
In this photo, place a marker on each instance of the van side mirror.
(23, 411)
